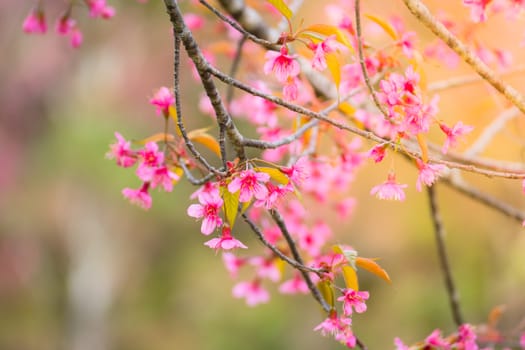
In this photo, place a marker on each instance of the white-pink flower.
(208, 209)
(282, 64)
(225, 242)
(353, 299)
(253, 292)
(390, 189)
(428, 173)
(250, 184)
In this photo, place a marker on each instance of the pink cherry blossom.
(266, 268)
(345, 208)
(435, 340)
(99, 8)
(282, 64)
(466, 338)
(163, 177)
(121, 152)
(353, 300)
(275, 194)
(390, 189)
(208, 209)
(253, 292)
(150, 160)
(478, 9)
(458, 130)
(321, 49)
(193, 21)
(291, 89)
(339, 328)
(225, 242)
(522, 340)
(250, 184)
(400, 345)
(407, 43)
(163, 99)
(64, 25)
(76, 38)
(377, 153)
(209, 187)
(296, 285)
(140, 197)
(35, 22)
(298, 172)
(232, 263)
(428, 173)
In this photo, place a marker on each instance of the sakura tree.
(297, 108)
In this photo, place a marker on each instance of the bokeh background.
(80, 268)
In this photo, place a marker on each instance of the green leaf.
(231, 205)
(327, 291)
(281, 6)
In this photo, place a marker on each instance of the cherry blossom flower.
(390, 189)
(291, 89)
(121, 152)
(459, 129)
(522, 340)
(163, 177)
(377, 153)
(226, 242)
(282, 64)
(151, 159)
(209, 187)
(266, 268)
(478, 9)
(250, 184)
(232, 263)
(435, 340)
(99, 8)
(353, 300)
(298, 172)
(321, 49)
(345, 208)
(193, 21)
(428, 173)
(163, 99)
(339, 328)
(65, 24)
(253, 292)
(466, 338)
(275, 193)
(35, 22)
(76, 38)
(208, 209)
(140, 197)
(400, 345)
(407, 43)
(295, 285)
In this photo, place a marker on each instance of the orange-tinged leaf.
(231, 205)
(178, 171)
(417, 63)
(371, 266)
(328, 30)
(347, 109)
(423, 146)
(275, 174)
(281, 6)
(156, 138)
(208, 141)
(334, 66)
(495, 315)
(350, 278)
(387, 27)
(327, 291)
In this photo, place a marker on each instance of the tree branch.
(439, 232)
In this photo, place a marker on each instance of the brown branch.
(439, 232)
(421, 12)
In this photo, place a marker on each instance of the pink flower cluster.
(35, 22)
(464, 339)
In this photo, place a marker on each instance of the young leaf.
(332, 61)
(206, 140)
(349, 254)
(231, 205)
(156, 138)
(328, 30)
(174, 116)
(371, 266)
(387, 27)
(281, 6)
(327, 291)
(350, 278)
(275, 174)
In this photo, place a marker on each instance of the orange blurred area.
(81, 268)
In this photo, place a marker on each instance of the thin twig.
(178, 108)
(439, 232)
(192, 179)
(421, 12)
(357, 11)
(181, 31)
(297, 256)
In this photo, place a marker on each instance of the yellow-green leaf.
(350, 278)
(156, 138)
(371, 266)
(231, 205)
(173, 115)
(206, 140)
(281, 6)
(327, 291)
(332, 61)
(387, 27)
(349, 254)
(328, 30)
(275, 174)
(347, 109)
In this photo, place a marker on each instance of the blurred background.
(81, 268)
